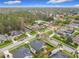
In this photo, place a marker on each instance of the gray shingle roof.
(76, 39)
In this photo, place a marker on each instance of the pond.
(21, 52)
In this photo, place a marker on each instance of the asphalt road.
(17, 43)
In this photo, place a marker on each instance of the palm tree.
(45, 52)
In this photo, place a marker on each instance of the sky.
(39, 3)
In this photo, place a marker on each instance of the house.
(2, 38)
(13, 33)
(76, 39)
(22, 52)
(35, 27)
(37, 45)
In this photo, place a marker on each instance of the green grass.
(62, 21)
(12, 49)
(33, 33)
(59, 39)
(24, 44)
(75, 33)
(6, 43)
(17, 47)
(48, 43)
(33, 40)
(21, 37)
(67, 53)
(42, 30)
(50, 32)
(49, 47)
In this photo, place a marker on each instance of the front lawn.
(33, 33)
(12, 49)
(42, 30)
(49, 47)
(21, 37)
(5, 43)
(63, 41)
(75, 33)
(70, 55)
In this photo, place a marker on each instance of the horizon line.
(41, 6)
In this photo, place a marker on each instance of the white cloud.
(12, 2)
(58, 1)
(77, 5)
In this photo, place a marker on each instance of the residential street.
(17, 43)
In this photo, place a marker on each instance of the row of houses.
(5, 37)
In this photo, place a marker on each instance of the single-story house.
(2, 38)
(76, 39)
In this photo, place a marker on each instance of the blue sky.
(39, 3)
